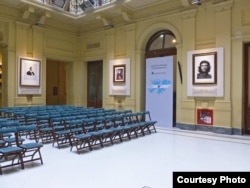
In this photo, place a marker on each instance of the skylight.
(74, 7)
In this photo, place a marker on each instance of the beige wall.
(225, 24)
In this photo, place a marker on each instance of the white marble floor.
(147, 161)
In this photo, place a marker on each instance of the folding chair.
(146, 118)
(88, 125)
(31, 151)
(2, 125)
(13, 140)
(61, 132)
(45, 129)
(94, 127)
(81, 142)
(10, 155)
(99, 123)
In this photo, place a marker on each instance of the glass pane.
(168, 43)
(162, 41)
(157, 44)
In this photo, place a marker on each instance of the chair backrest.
(8, 130)
(12, 123)
(26, 128)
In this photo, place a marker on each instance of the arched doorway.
(162, 44)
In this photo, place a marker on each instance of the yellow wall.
(225, 24)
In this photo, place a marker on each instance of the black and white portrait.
(29, 72)
(204, 68)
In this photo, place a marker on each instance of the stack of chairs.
(18, 152)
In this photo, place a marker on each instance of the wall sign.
(205, 116)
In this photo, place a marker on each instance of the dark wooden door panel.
(247, 125)
(94, 84)
(246, 98)
(55, 83)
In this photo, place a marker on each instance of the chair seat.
(12, 139)
(9, 150)
(62, 132)
(31, 145)
(46, 129)
(82, 136)
(76, 130)
(2, 142)
(107, 131)
(7, 135)
(96, 133)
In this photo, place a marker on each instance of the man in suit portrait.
(30, 72)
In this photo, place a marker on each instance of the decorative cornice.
(223, 6)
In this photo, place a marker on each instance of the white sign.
(159, 90)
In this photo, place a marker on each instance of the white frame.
(30, 80)
(206, 90)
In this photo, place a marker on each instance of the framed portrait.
(204, 68)
(119, 72)
(30, 72)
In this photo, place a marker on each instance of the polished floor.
(145, 162)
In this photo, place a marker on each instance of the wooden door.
(55, 83)
(94, 84)
(246, 98)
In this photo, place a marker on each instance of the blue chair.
(31, 150)
(45, 129)
(13, 139)
(149, 125)
(10, 155)
(61, 132)
(81, 142)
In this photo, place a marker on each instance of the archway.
(161, 77)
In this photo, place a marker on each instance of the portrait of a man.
(30, 72)
(204, 69)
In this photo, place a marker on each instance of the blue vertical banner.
(159, 90)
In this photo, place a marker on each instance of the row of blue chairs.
(109, 129)
(84, 127)
(14, 150)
